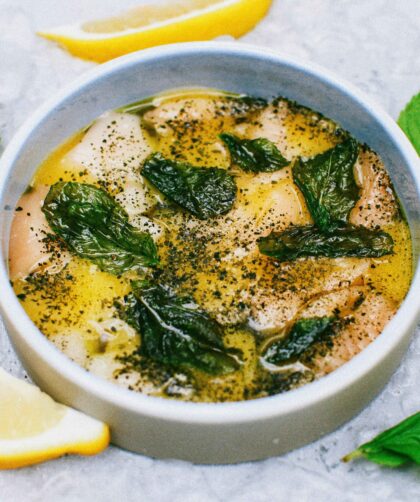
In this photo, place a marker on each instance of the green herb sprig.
(303, 334)
(409, 121)
(95, 227)
(175, 331)
(254, 155)
(306, 241)
(328, 185)
(205, 192)
(394, 447)
(330, 191)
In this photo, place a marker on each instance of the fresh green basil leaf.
(205, 192)
(306, 241)
(256, 155)
(394, 447)
(409, 121)
(301, 337)
(175, 331)
(94, 226)
(328, 185)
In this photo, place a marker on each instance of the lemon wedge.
(158, 24)
(34, 428)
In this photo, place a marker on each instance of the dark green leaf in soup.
(205, 192)
(301, 337)
(256, 155)
(306, 241)
(175, 331)
(94, 226)
(247, 104)
(394, 447)
(328, 185)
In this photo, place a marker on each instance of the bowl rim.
(210, 413)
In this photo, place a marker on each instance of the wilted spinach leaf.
(305, 241)
(393, 447)
(94, 226)
(254, 155)
(328, 185)
(302, 336)
(203, 191)
(175, 331)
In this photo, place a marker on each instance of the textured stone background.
(376, 45)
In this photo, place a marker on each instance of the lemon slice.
(157, 24)
(34, 428)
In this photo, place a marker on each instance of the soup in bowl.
(205, 246)
(189, 249)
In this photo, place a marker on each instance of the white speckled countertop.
(373, 43)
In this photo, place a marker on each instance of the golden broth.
(216, 262)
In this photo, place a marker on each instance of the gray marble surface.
(373, 43)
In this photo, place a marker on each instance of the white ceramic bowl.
(226, 432)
